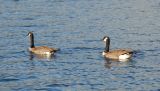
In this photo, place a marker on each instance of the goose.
(42, 50)
(119, 54)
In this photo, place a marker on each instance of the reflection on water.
(115, 63)
(76, 27)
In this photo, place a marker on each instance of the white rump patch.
(123, 60)
(48, 53)
(124, 56)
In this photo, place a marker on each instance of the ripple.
(28, 26)
(77, 26)
(8, 79)
(28, 19)
(86, 48)
(47, 89)
(59, 85)
(138, 54)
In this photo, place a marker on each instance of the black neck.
(32, 41)
(107, 45)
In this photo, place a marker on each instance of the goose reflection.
(109, 63)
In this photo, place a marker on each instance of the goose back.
(119, 53)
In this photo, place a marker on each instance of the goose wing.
(116, 53)
(42, 50)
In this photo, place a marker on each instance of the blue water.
(77, 27)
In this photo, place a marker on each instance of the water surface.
(77, 27)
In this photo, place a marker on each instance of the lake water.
(77, 27)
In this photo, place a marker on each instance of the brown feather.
(42, 50)
(114, 54)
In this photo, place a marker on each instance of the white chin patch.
(105, 39)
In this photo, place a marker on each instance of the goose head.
(106, 40)
(30, 34)
(31, 38)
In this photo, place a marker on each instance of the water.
(77, 27)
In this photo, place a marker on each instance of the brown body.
(43, 50)
(115, 54)
(118, 54)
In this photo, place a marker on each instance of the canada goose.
(42, 50)
(119, 54)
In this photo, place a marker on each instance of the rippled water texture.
(77, 27)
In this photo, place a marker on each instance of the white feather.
(123, 60)
(124, 56)
(103, 53)
(105, 39)
(48, 53)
